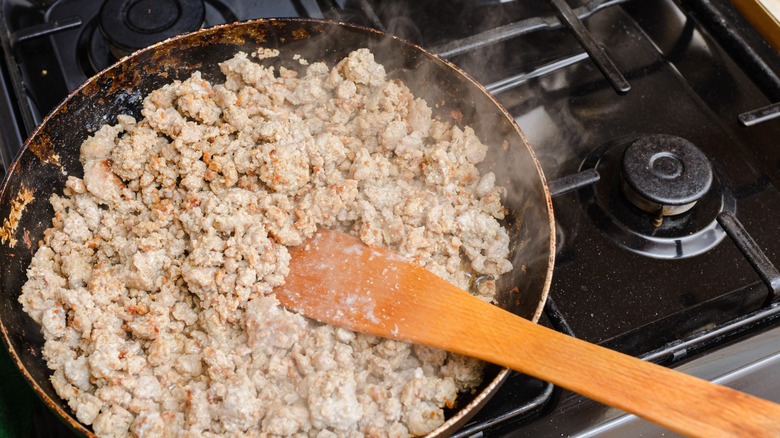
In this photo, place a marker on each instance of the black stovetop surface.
(618, 281)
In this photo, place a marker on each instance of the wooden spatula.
(334, 278)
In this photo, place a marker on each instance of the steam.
(511, 156)
(457, 99)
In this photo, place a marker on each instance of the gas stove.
(654, 120)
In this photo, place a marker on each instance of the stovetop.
(677, 290)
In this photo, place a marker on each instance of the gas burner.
(116, 32)
(646, 196)
(665, 175)
(129, 25)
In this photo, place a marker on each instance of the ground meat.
(154, 285)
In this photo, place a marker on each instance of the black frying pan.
(52, 153)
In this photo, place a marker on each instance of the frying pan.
(52, 153)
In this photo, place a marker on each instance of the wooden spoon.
(336, 279)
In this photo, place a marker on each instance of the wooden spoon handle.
(340, 281)
(678, 401)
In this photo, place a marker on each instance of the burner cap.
(673, 236)
(129, 25)
(666, 174)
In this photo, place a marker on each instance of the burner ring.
(129, 25)
(665, 173)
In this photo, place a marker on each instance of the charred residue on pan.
(238, 34)
(300, 34)
(43, 148)
(23, 197)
